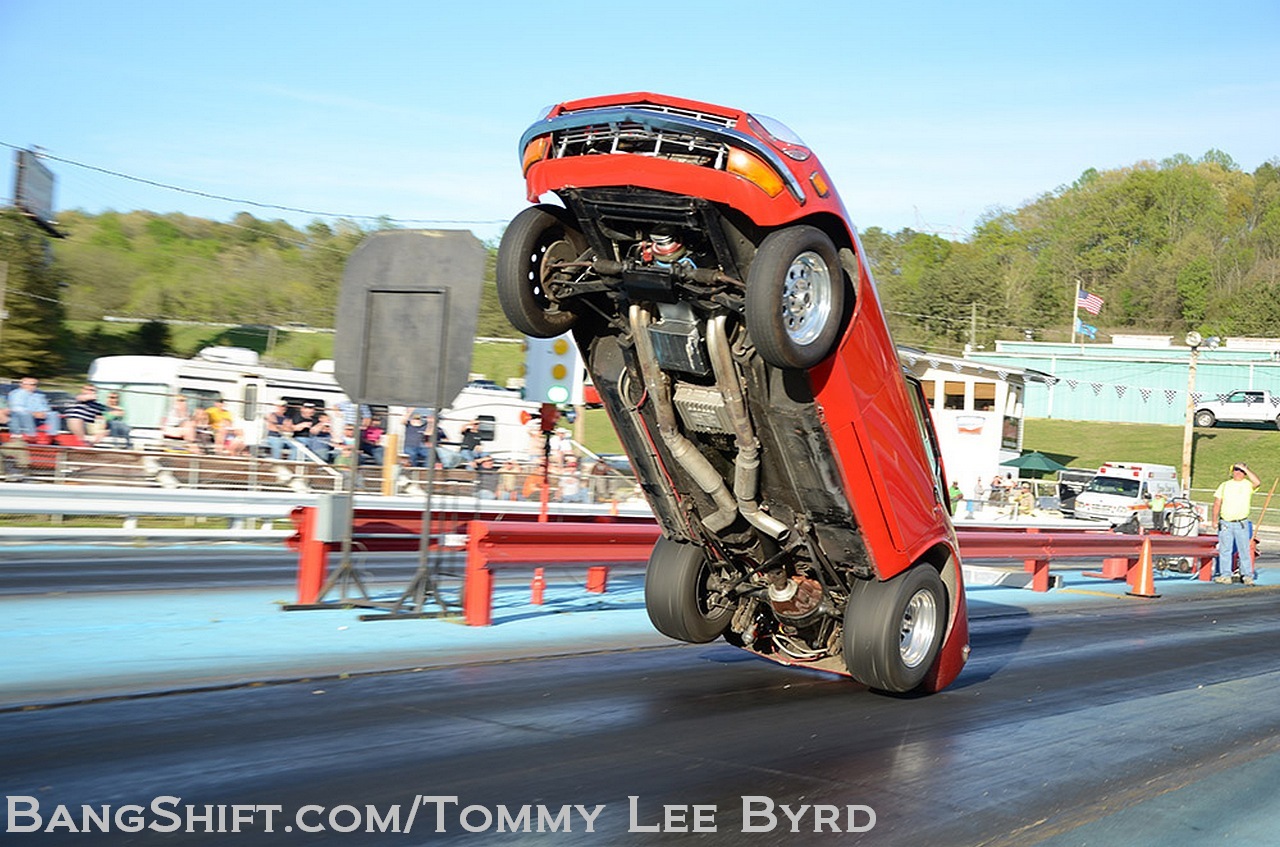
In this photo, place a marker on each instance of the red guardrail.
(495, 545)
(510, 540)
(400, 530)
(1119, 553)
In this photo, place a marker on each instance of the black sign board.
(406, 318)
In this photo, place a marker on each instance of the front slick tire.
(676, 594)
(894, 629)
(535, 239)
(795, 297)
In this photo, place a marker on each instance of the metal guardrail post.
(313, 556)
(477, 586)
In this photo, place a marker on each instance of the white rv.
(148, 385)
(1122, 489)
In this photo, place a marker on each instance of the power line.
(240, 201)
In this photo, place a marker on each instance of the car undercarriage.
(707, 273)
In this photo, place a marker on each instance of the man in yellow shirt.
(1232, 502)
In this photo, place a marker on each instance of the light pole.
(1193, 341)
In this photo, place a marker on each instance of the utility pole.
(4, 287)
(973, 326)
(1193, 341)
(1075, 311)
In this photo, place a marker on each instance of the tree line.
(1171, 246)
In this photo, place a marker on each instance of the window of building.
(1013, 401)
(984, 396)
(953, 395)
(927, 386)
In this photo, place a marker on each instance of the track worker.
(1158, 502)
(1231, 504)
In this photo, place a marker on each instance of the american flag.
(1091, 303)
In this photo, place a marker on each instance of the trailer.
(148, 386)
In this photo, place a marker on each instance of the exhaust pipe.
(746, 467)
(682, 449)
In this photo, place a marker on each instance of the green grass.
(599, 435)
(1082, 444)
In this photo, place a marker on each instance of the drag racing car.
(708, 272)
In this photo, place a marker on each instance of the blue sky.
(926, 114)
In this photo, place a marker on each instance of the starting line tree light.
(553, 370)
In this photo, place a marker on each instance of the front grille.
(628, 137)
(679, 135)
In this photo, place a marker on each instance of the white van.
(1121, 487)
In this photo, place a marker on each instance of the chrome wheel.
(919, 628)
(806, 298)
(795, 300)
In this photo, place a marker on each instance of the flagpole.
(1075, 313)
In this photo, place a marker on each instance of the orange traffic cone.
(1144, 586)
(538, 586)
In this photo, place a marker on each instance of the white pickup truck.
(1240, 407)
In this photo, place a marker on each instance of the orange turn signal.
(819, 184)
(754, 169)
(536, 151)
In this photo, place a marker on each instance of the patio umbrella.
(1035, 462)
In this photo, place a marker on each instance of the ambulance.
(1122, 489)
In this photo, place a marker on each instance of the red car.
(724, 307)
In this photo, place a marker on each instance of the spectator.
(279, 425)
(302, 424)
(204, 431)
(486, 478)
(447, 457)
(571, 490)
(598, 482)
(532, 486)
(85, 417)
(509, 480)
(117, 427)
(29, 409)
(321, 442)
(415, 440)
(226, 438)
(1021, 501)
(561, 443)
(956, 495)
(1232, 504)
(350, 415)
(371, 444)
(178, 425)
(344, 460)
(469, 442)
(997, 490)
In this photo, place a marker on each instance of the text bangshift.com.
(429, 813)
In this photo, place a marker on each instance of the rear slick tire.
(893, 630)
(676, 594)
(535, 238)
